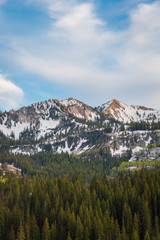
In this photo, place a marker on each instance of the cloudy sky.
(92, 50)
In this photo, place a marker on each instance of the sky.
(92, 50)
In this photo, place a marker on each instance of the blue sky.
(93, 50)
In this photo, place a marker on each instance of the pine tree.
(123, 234)
(34, 229)
(21, 234)
(79, 229)
(53, 232)
(146, 237)
(16, 215)
(69, 236)
(135, 235)
(27, 225)
(136, 223)
(107, 223)
(86, 234)
(46, 230)
(112, 229)
(146, 218)
(156, 227)
(61, 227)
(12, 233)
(127, 218)
(70, 222)
(117, 231)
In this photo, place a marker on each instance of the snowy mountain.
(74, 127)
(42, 119)
(126, 114)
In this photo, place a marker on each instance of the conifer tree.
(112, 229)
(136, 223)
(146, 218)
(146, 237)
(79, 229)
(127, 218)
(46, 230)
(21, 234)
(61, 224)
(123, 234)
(117, 231)
(86, 233)
(135, 235)
(69, 236)
(12, 233)
(53, 232)
(156, 227)
(34, 229)
(27, 225)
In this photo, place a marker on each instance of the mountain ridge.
(129, 113)
(74, 127)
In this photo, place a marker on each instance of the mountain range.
(74, 127)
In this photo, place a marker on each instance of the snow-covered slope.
(125, 113)
(74, 127)
(115, 143)
(48, 118)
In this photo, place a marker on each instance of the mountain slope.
(72, 126)
(79, 109)
(126, 114)
(47, 118)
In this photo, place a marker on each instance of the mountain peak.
(115, 103)
(71, 99)
(69, 102)
(112, 104)
(79, 109)
(125, 113)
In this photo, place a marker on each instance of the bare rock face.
(27, 115)
(79, 109)
(113, 109)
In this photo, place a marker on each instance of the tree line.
(54, 165)
(134, 126)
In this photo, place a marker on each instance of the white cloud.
(141, 46)
(80, 49)
(10, 95)
(76, 43)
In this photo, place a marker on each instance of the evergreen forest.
(126, 207)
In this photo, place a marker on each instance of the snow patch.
(120, 151)
(137, 149)
(148, 141)
(15, 129)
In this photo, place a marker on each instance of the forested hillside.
(127, 207)
(54, 165)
